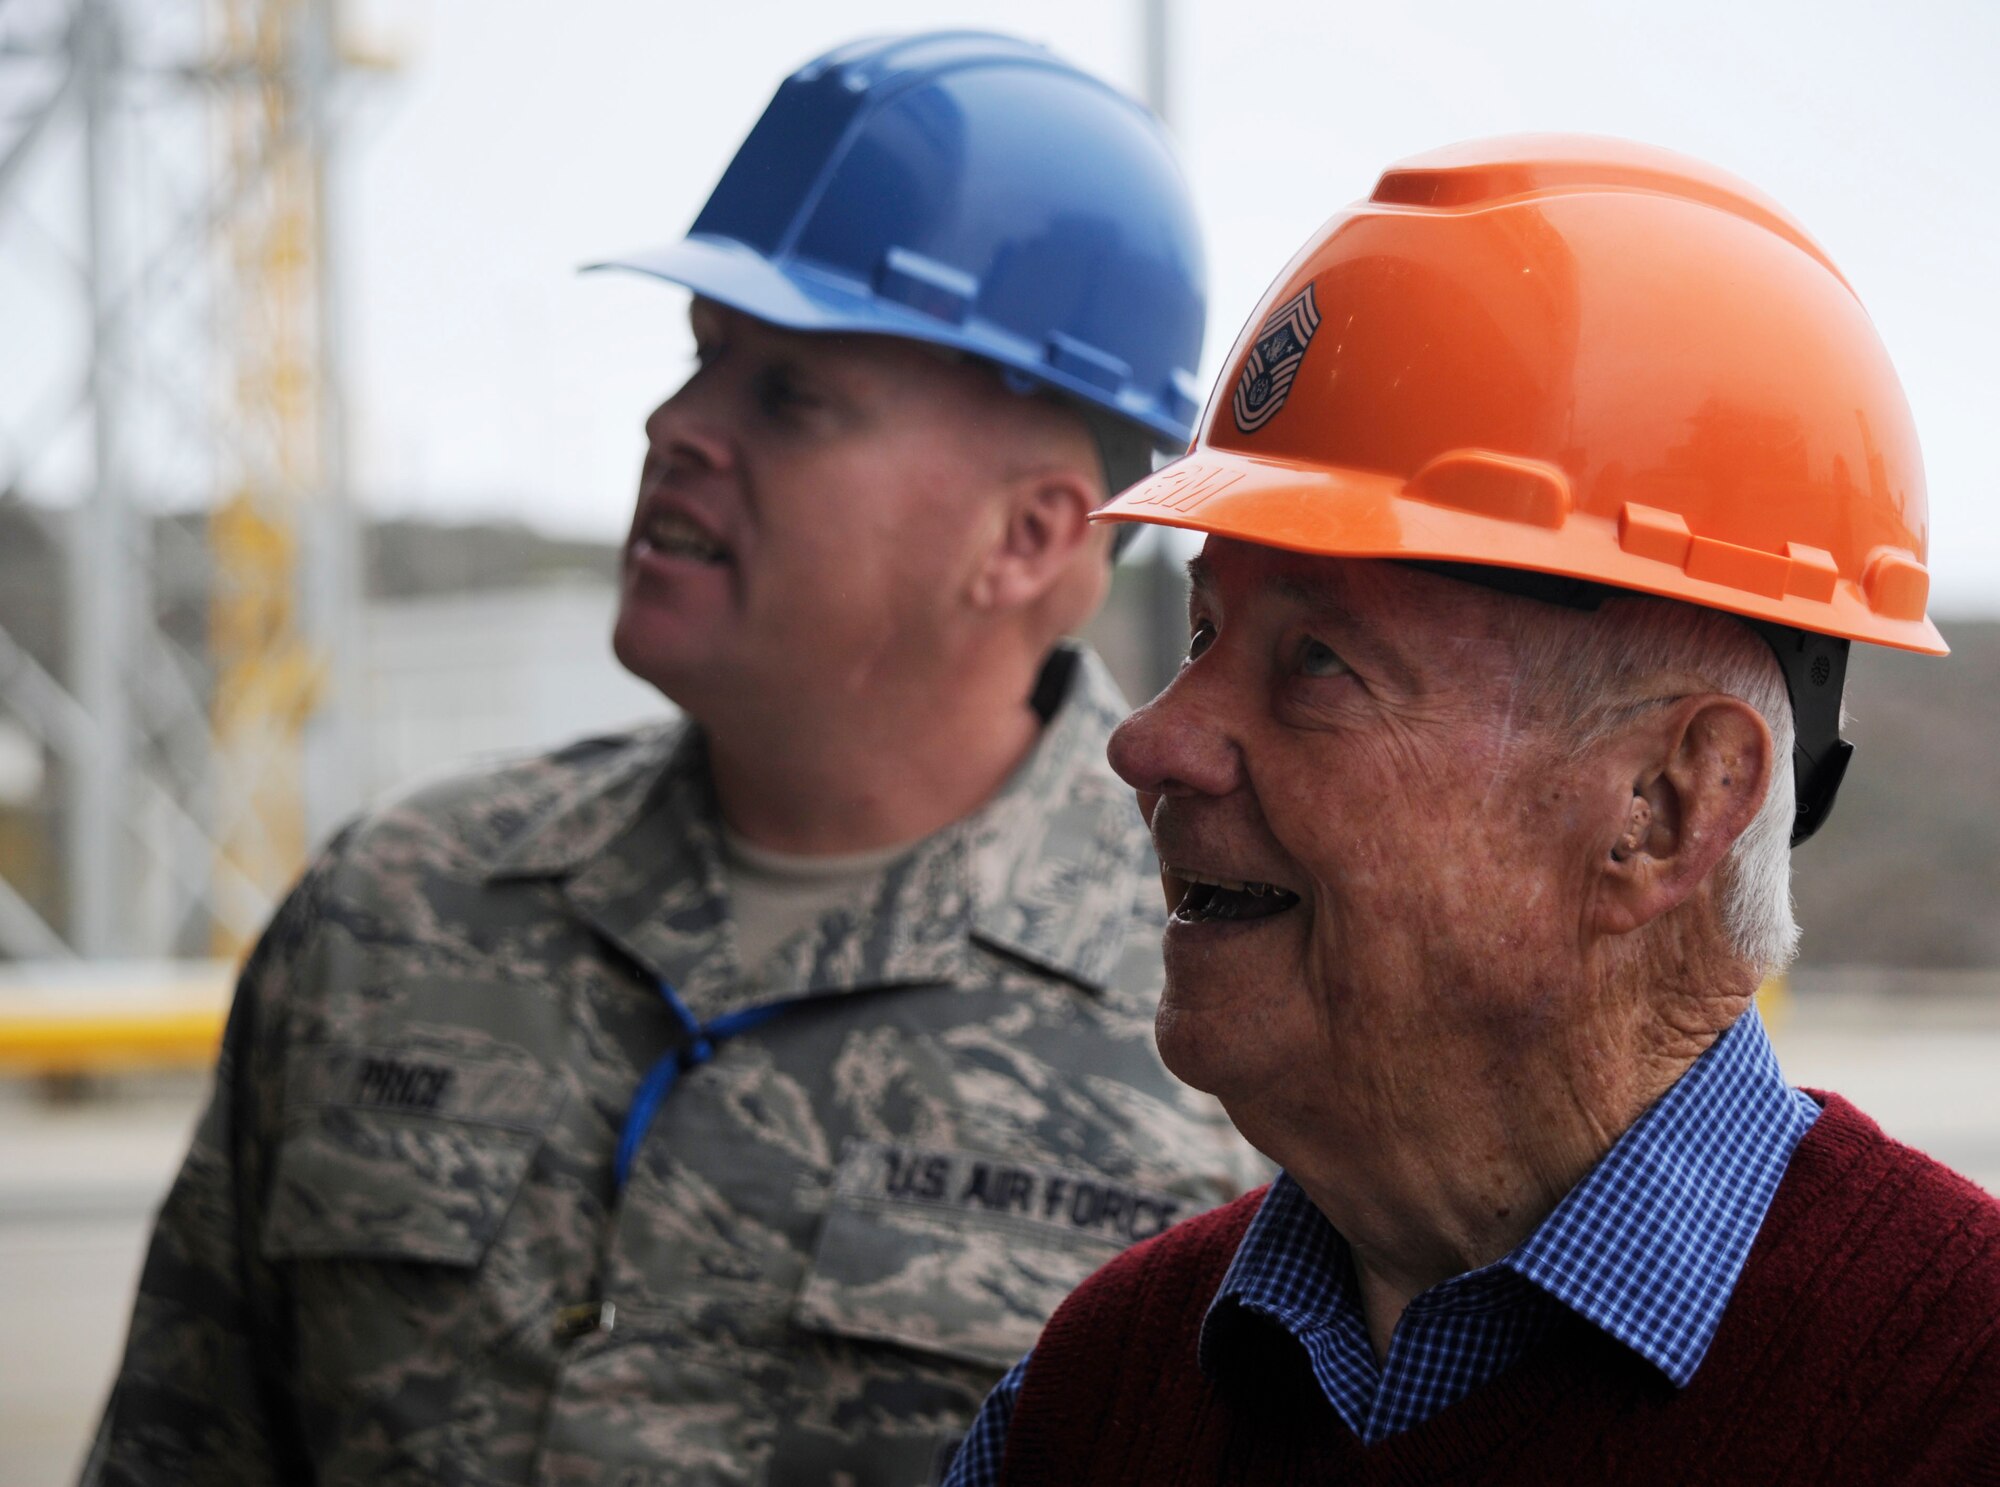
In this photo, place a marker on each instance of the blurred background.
(315, 451)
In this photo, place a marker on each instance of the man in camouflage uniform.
(874, 937)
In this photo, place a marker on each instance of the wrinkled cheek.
(1340, 958)
(1379, 941)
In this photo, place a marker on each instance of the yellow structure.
(267, 678)
(1774, 1001)
(111, 1017)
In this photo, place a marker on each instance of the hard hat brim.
(1334, 512)
(731, 274)
(796, 296)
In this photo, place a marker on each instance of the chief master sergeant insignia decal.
(1274, 360)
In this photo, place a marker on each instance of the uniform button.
(581, 1320)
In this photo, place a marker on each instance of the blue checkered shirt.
(1647, 1248)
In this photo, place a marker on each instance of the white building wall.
(456, 678)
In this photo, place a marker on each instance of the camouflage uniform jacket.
(396, 1253)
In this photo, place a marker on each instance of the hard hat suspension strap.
(1815, 668)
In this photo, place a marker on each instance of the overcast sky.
(518, 140)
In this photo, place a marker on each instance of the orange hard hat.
(1579, 357)
(1576, 356)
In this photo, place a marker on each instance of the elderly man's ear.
(1696, 772)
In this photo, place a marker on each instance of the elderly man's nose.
(1173, 746)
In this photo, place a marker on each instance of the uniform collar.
(1040, 873)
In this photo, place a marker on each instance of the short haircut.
(1124, 448)
(1591, 674)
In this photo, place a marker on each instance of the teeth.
(1206, 897)
(671, 532)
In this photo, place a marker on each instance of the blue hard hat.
(972, 191)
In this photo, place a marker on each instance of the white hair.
(1593, 677)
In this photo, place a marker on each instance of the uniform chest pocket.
(964, 1255)
(402, 1155)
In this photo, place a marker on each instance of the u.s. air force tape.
(1069, 1202)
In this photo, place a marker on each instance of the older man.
(730, 1101)
(1544, 493)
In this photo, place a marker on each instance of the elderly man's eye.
(1316, 659)
(1202, 638)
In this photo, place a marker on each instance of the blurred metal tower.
(168, 160)
(273, 632)
(1166, 584)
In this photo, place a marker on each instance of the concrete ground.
(80, 1176)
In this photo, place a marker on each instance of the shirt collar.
(1043, 871)
(1291, 1266)
(1292, 1274)
(1648, 1247)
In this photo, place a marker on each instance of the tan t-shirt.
(774, 895)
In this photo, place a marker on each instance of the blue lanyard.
(661, 1078)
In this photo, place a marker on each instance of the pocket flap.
(961, 1254)
(402, 1155)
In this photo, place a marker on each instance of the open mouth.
(1204, 899)
(675, 535)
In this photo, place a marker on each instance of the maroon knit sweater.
(1862, 1345)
